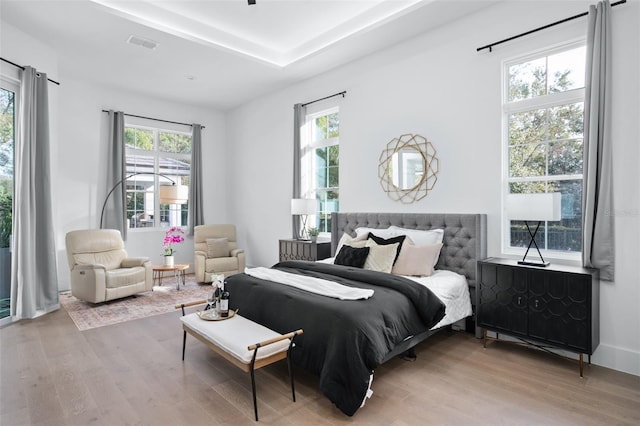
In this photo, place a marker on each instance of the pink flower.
(172, 236)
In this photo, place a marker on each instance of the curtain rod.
(490, 46)
(22, 68)
(344, 92)
(155, 119)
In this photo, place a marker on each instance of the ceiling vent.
(143, 42)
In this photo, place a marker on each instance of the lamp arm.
(104, 205)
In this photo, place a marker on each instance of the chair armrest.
(130, 262)
(200, 253)
(236, 252)
(89, 267)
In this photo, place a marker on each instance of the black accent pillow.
(383, 242)
(352, 256)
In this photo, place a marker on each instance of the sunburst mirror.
(408, 168)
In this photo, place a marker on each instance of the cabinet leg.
(484, 338)
(581, 364)
(589, 359)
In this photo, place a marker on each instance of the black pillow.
(352, 256)
(383, 242)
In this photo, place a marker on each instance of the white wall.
(438, 86)
(78, 138)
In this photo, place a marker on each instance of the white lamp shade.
(174, 194)
(534, 206)
(303, 206)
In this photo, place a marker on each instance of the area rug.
(159, 301)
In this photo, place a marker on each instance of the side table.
(304, 250)
(178, 273)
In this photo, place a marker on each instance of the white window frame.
(309, 184)
(538, 102)
(157, 180)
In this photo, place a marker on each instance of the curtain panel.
(299, 113)
(597, 191)
(34, 273)
(115, 216)
(196, 215)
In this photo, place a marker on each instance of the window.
(543, 127)
(320, 165)
(161, 157)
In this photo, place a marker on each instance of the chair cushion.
(123, 277)
(217, 247)
(221, 264)
(235, 334)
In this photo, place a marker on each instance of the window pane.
(334, 177)
(320, 128)
(530, 126)
(566, 70)
(174, 142)
(527, 160)
(333, 126)
(527, 80)
(566, 121)
(328, 203)
(566, 234)
(334, 155)
(138, 138)
(565, 157)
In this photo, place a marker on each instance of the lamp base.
(538, 264)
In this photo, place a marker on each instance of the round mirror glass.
(406, 168)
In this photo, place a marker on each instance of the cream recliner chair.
(219, 255)
(101, 269)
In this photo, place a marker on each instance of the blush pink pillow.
(417, 260)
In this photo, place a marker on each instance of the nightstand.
(304, 250)
(555, 306)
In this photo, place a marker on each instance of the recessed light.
(190, 77)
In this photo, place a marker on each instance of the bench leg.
(293, 390)
(184, 342)
(253, 388)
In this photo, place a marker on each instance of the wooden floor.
(131, 373)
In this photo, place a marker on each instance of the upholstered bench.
(238, 339)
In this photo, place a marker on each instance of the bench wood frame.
(255, 363)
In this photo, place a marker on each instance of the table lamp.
(532, 208)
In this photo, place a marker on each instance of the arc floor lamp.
(169, 194)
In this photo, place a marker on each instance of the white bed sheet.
(450, 287)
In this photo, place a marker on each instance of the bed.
(345, 340)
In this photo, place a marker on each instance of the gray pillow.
(217, 247)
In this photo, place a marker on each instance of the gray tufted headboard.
(464, 241)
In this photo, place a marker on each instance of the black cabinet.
(304, 250)
(556, 306)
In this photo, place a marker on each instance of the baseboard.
(616, 358)
(609, 356)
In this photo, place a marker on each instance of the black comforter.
(343, 341)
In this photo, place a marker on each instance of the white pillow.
(385, 233)
(421, 237)
(380, 257)
(417, 260)
(357, 242)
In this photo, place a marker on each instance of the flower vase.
(168, 261)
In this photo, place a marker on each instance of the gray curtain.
(34, 273)
(597, 191)
(114, 211)
(299, 112)
(196, 215)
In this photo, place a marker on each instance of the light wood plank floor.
(132, 374)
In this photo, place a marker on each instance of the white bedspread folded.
(310, 284)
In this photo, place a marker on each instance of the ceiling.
(220, 53)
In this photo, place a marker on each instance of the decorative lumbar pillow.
(380, 257)
(382, 241)
(352, 256)
(217, 247)
(417, 260)
(350, 241)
